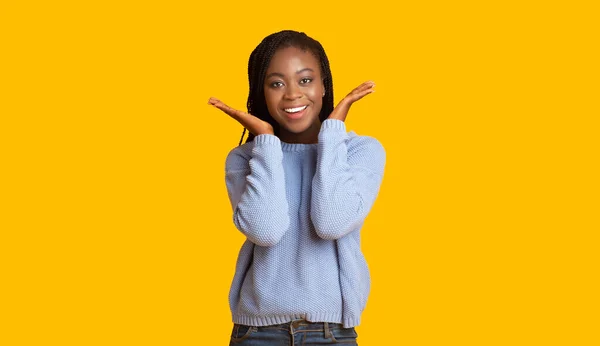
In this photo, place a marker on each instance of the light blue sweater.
(301, 207)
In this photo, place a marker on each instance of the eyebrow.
(277, 74)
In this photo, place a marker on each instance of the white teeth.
(295, 110)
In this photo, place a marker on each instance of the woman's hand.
(253, 124)
(341, 110)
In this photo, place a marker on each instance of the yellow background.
(115, 223)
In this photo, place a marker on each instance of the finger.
(364, 86)
(225, 108)
(361, 90)
(213, 100)
(359, 93)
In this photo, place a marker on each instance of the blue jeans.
(295, 333)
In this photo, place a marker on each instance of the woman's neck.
(309, 136)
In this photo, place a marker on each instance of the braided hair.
(257, 68)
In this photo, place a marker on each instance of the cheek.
(271, 101)
(317, 94)
(318, 105)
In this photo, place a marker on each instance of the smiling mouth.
(296, 112)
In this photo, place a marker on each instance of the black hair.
(257, 68)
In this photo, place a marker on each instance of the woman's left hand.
(341, 110)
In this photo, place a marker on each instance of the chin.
(300, 127)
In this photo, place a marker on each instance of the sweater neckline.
(297, 146)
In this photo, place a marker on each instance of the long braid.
(259, 63)
(327, 107)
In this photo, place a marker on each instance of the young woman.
(300, 189)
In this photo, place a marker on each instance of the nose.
(292, 92)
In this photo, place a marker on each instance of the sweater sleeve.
(347, 180)
(256, 188)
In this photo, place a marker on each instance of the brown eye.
(276, 85)
(305, 80)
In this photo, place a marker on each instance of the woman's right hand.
(253, 124)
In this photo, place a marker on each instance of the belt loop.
(327, 331)
(293, 326)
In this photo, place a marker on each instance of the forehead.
(292, 59)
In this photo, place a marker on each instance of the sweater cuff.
(267, 139)
(333, 124)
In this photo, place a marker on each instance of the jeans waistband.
(304, 325)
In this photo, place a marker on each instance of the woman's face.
(294, 94)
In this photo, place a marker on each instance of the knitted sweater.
(301, 208)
